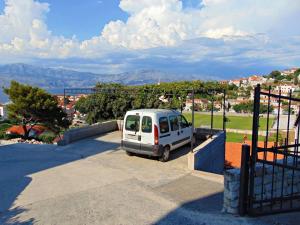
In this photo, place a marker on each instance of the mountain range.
(56, 79)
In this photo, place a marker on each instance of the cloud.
(167, 23)
(162, 33)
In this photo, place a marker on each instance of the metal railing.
(273, 165)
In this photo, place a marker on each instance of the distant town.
(285, 81)
(239, 98)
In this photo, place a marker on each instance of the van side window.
(132, 123)
(147, 124)
(163, 125)
(174, 123)
(183, 122)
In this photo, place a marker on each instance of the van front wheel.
(129, 153)
(165, 155)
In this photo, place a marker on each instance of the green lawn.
(234, 122)
(238, 138)
(3, 128)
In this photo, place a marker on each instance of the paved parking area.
(93, 182)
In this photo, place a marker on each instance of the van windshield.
(132, 123)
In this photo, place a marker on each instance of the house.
(244, 82)
(285, 88)
(199, 104)
(236, 82)
(289, 71)
(70, 109)
(3, 111)
(223, 82)
(255, 80)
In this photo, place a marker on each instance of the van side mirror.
(190, 124)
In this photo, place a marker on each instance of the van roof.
(153, 111)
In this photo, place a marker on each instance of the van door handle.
(178, 133)
(181, 131)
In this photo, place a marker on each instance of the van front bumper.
(143, 149)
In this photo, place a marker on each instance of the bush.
(47, 137)
(5, 136)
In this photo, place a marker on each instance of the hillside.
(55, 80)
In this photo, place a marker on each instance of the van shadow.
(175, 154)
(19, 161)
(178, 153)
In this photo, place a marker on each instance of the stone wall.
(209, 156)
(88, 131)
(231, 191)
(232, 184)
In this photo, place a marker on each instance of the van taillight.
(155, 135)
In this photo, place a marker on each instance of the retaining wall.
(88, 131)
(210, 155)
(232, 184)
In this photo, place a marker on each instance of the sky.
(215, 39)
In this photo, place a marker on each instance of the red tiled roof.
(19, 129)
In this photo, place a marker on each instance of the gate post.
(244, 180)
(255, 127)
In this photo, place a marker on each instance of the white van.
(155, 132)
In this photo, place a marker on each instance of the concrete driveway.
(94, 182)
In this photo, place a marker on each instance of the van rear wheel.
(165, 155)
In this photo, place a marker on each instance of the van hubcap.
(166, 153)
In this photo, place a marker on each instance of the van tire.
(129, 153)
(165, 155)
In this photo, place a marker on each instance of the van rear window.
(146, 124)
(132, 123)
(163, 125)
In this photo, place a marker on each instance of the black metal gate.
(273, 182)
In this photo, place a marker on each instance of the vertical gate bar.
(212, 115)
(278, 116)
(181, 109)
(282, 176)
(244, 179)
(288, 128)
(266, 146)
(268, 117)
(224, 110)
(275, 153)
(293, 173)
(64, 98)
(254, 143)
(193, 118)
(289, 117)
(297, 149)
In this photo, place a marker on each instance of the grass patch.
(234, 122)
(3, 128)
(239, 138)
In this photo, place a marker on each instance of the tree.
(275, 74)
(31, 106)
(247, 107)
